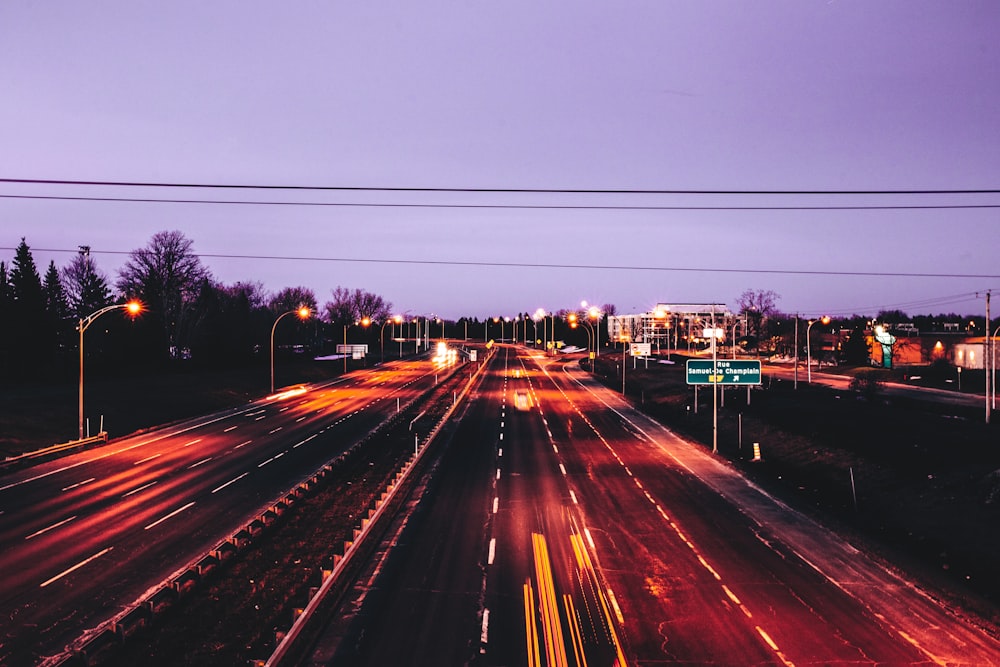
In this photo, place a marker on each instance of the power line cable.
(563, 207)
(552, 265)
(623, 191)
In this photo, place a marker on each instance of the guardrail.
(101, 437)
(303, 617)
(94, 645)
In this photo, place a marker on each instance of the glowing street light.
(133, 308)
(303, 314)
(825, 320)
(395, 319)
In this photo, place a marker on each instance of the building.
(676, 326)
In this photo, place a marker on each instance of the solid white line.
(134, 491)
(75, 567)
(45, 530)
(232, 481)
(493, 551)
(73, 486)
(148, 458)
(193, 442)
(195, 465)
(172, 514)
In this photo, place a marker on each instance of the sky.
(482, 159)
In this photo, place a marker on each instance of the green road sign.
(726, 371)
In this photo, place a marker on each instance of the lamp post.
(395, 319)
(825, 320)
(133, 307)
(993, 366)
(595, 314)
(303, 313)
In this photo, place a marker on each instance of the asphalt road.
(577, 532)
(83, 536)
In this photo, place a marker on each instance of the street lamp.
(303, 313)
(825, 320)
(395, 319)
(132, 307)
(594, 313)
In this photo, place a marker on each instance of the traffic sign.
(724, 371)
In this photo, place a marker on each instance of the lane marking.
(562, 468)
(141, 488)
(573, 496)
(231, 428)
(75, 567)
(148, 458)
(73, 486)
(242, 444)
(195, 465)
(172, 514)
(193, 442)
(493, 551)
(232, 481)
(496, 504)
(53, 526)
(275, 430)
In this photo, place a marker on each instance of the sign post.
(722, 372)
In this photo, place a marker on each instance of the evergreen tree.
(86, 286)
(58, 320)
(5, 316)
(27, 312)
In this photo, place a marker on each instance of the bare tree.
(348, 306)
(167, 275)
(292, 298)
(757, 305)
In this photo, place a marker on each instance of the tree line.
(187, 313)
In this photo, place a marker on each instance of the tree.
(292, 298)
(349, 306)
(757, 305)
(27, 312)
(56, 311)
(86, 286)
(6, 314)
(167, 276)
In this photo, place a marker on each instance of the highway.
(84, 535)
(578, 532)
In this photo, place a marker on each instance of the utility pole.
(986, 356)
(795, 384)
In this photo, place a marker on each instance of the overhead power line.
(623, 191)
(564, 207)
(551, 265)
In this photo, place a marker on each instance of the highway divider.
(94, 646)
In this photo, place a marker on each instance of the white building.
(676, 326)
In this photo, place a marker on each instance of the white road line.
(486, 623)
(299, 419)
(305, 441)
(172, 514)
(275, 430)
(261, 465)
(498, 473)
(562, 468)
(73, 486)
(259, 418)
(232, 481)
(243, 444)
(75, 567)
(231, 428)
(284, 408)
(53, 526)
(195, 465)
(148, 458)
(496, 504)
(493, 551)
(500, 452)
(573, 497)
(141, 488)
(193, 442)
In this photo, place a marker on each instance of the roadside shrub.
(868, 384)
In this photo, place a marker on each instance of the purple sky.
(742, 96)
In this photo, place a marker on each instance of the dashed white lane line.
(496, 504)
(75, 567)
(137, 490)
(148, 458)
(195, 465)
(52, 527)
(78, 484)
(231, 428)
(169, 516)
(232, 481)
(193, 442)
(573, 497)
(243, 444)
(493, 551)
(273, 431)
